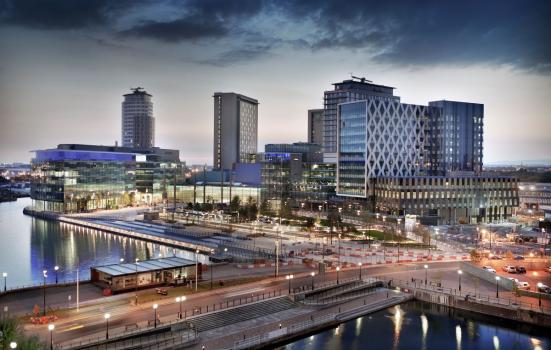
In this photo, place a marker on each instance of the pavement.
(89, 322)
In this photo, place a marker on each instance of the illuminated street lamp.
(426, 272)
(56, 268)
(289, 278)
(180, 300)
(155, 306)
(497, 286)
(51, 328)
(44, 274)
(196, 268)
(360, 265)
(13, 345)
(312, 274)
(338, 269)
(107, 316)
(459, 273)
(5, 275)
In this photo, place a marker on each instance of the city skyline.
(80, 60)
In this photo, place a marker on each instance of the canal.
(419, 325)
(29, 245)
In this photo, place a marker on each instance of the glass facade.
(69, 181)
(211, 194)
(352, 148)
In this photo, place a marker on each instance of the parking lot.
(535, 270)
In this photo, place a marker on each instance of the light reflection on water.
(29, 245)
(417, 325)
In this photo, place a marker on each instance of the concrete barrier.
(476, 271)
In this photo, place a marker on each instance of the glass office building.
(83, 178)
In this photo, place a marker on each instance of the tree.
(234, 203)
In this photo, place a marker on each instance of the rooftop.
(144, 266)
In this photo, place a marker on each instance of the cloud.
(60, 14)
(246, 53)
(401, 32)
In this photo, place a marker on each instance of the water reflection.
(417, 325)
(28, 246)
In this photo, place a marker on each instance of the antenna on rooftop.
(362, 79)
(137, 89)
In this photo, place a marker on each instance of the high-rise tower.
(138, 124)
(235, 129)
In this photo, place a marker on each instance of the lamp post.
(107, 316)
(426, 272)
(44, 274)
(539, 292)
(196, 268)
(211, 266)
(5, 275)
(360, 265)
(312, 274)
(497, 286)
(338, 269)
(13, 345)
(56, 268)
(136, 261)
(180, 300)
(459, 273)
(51, 328)
(289, 278)
(155, 306)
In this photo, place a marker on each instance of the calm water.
(417, 325)
(29, 245)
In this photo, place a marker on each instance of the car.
(520, 269)
(548, 269)
(519, 257)
(495, 257)
(516, 281)
(509, 269)
(161, 291)
(489, 269)
(523, 285)
(544, 289)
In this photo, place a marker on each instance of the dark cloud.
(401, 32)
(246, 53)
(60, 14)
(517, 33)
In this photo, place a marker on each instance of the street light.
(289, 278)
(136, 261)
(312, 274)
(5, 275)
(540, 285)
(45, 274)
(56, 268)
(338, 269)
(107, 316)
(51, 328)
(426, 272)
(13, 345)
(155, 306)
(196, 268)
(497, 286)
(121, 260)
(459, 273)
(360, 265)
(180, 300)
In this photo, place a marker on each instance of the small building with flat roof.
(148, 273)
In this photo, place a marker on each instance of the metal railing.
(283, 332)
(470, 295)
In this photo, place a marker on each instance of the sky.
(65, 64)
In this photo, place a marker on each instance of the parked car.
(516, 281)
(495, 257)
(489, 269)
(523, 285)
(509, 269)
(520, 269)
(548, 269)
(544, 289)
(519, 257)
